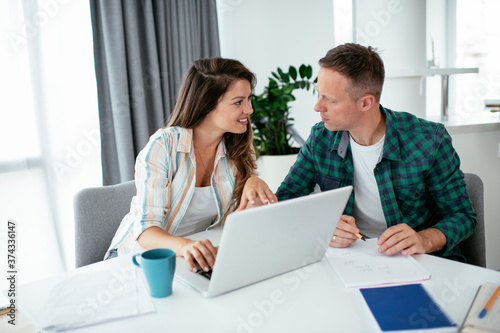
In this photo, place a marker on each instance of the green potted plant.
(271, 122)
(271, 118)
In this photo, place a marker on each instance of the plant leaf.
(283, 76)
(293, 72)
(309, 71)
(302, 71)
(288, 89)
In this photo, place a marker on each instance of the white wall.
(265, 34)
(397, 29)
(478, 151)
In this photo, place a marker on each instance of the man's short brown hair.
(361, 65)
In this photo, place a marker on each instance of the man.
(408, 187)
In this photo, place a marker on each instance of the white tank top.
(201, 212)
(368, 211)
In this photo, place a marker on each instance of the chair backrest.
(98, 213)
(473, 248)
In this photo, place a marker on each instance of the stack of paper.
(361, 265)
(94, 297)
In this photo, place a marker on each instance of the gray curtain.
(141, 50)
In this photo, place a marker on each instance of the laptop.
(263, 242)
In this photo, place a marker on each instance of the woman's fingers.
(200, 254)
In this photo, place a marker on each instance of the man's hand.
(344, 234)
(256, 193)
(402, 238)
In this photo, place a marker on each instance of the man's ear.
(367, 102)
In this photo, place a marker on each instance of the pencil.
(360, 236)
(490, 302)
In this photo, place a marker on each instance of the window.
(477, 45)
(49, 130)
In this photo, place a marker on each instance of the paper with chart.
(360, 265)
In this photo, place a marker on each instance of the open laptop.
(262, 242)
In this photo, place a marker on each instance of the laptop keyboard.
(207, 275)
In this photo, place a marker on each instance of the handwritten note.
(360, 265)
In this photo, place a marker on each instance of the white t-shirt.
(368, 211)
(200, 213)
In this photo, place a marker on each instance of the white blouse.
(202, 210)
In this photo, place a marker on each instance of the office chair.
(473, 248)
(98, 213)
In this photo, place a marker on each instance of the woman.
(191, 174)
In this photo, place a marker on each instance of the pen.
(360, 236)
(490, 302)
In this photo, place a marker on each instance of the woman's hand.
(199, 253)
(256, 193)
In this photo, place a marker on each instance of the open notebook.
(489, 322)
(360, 265)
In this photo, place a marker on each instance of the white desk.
(310, 299)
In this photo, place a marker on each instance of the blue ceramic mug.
(158, 266)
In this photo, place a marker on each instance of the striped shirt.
(418, 176)
(165, 178)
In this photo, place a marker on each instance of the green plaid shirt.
(418, 176)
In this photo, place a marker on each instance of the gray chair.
(473, 248)
(98, 213)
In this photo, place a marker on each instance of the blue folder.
(406, 307)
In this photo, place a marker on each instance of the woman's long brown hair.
(206, 81)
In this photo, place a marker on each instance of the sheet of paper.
(88, 298)
(360, 265)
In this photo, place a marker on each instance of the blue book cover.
(407, 307)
